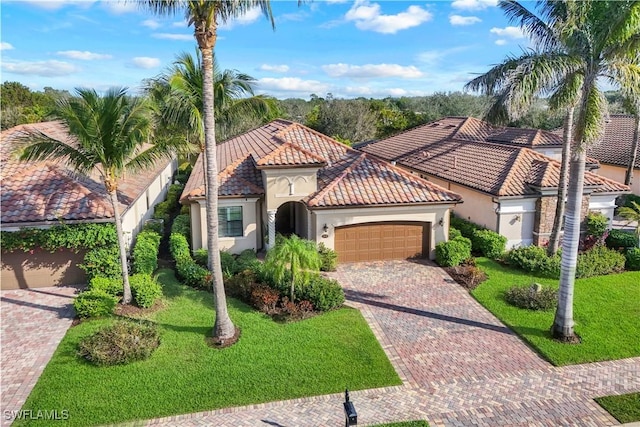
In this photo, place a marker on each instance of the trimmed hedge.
(325, 294)
(182, 225)
(186, 268)
(110, 285)
(102, 262)
(453, 252)
(453, 233)
(94, 303)
(621, 239)
(633, 259)
(535, 259)
(599, 261)
(145, 252)
(489, 243)
(145, 289)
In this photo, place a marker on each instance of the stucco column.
(271, 223)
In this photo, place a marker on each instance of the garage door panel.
(380, 241)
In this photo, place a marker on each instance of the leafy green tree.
(293, 256)
(584, 42)
(205, 16)
(110, 134)
(345, 119)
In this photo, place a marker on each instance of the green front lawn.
(271, 361)
(606, 313)
(624, 408)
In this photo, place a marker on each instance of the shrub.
(182, 225)
(468, 274)
(621, 239)
(248, 260)
(103, 262)
(161, 211)
(154, 225)
(489, 243)
(453, 233)
(108, 285)
(241, 285)
(201, 257)
(328, 258)
(145, 289)
(145, 252)
(120, 343)
(264, 298)
(633, 259)
(597, 224)
(535, 259)
(534, 297)
(599, 261)
(185, 210)
(186, 268)
(465, 227)
(453, 252)
(179, 247)
(325, 294)
(94, 303)
(173, 197)
(629, 199)
(228, 263)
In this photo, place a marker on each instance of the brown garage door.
(380, 241)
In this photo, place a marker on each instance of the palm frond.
(541, 34)
(37, 146)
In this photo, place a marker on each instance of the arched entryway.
(291, 218)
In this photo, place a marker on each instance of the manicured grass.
(405, 424)
(624, 408)
(271, 361)
(606, 313)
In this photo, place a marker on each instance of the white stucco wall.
(516, 220)
(338, 217)
(617, 174)
(249, 239)
(605, 204)
(141, 210)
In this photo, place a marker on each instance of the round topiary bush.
(453, 252)
(534, 297)
(120, 343)
(146, 289)
(94, 303)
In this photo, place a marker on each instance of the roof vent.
(426, 154)
(455, 162)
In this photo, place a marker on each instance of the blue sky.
(347, 48)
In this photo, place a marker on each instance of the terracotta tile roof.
(34, 192)
(290, 155)
(526, 137)
(614, 147)
(496, 169)
(346, 177)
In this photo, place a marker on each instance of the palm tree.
(632, 214)
(110, 134)
(205, 15)
(632, 105)
(295, 256)
(599, 40)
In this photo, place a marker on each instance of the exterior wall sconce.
(441, 222)
(517, 218)
(325, 231)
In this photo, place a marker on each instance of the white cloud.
(473, 4)
(508, 32)
(57, 4)
(435, 56)
(119, 7)
(463, 20)
(173, 36)
(292, 84)
(501, 42)
(248, 18)
(151, 23)
(83, 55)
(145, 62)
(49, 68)
(274, 68)
(372, 71)
(368, 16)
(6, 46)
(180, 24)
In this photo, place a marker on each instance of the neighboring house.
(613, 151)
(506, 184)
(286, 178)
(43, 194)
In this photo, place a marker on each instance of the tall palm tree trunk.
(554, 239)
(628, 177)
(126, 298)
(223, 328)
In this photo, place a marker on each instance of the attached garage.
(382, 241)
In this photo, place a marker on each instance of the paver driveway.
(33, 323)
(460, 366)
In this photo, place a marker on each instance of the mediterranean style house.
(43, 194)
(505, 176)
(284, 178)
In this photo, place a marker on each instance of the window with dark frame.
(230, 221)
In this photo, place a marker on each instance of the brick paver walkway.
(460, 366)
(33, 323)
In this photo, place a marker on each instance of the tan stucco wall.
(339, 217)
(22, 270)
(516, 221)
(278, 189)
(249, 239)
(617, 173)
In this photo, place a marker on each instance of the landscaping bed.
(271, 361)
